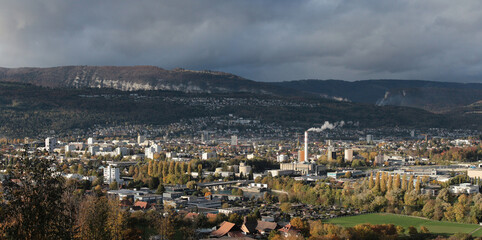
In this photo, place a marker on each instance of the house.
(237, 210)
(289, 230)
(249, 226)
(266, 227)
(141, 204)
(223, 229)
(191, 216)
(256, 226)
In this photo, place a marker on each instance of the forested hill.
(133, 78)
(439, 97)
(428, 95)
(27, 110)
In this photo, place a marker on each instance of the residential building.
(464, 188)
(111, 174)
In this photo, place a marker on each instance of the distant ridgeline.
(33, 100)
(428, 95)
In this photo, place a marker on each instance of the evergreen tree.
(160, 189)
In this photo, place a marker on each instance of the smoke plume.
(327, 125)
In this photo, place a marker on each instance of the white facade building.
(111, 174)
(50, 144)
(348, 155)
(282, 158)
(234, 140)
(93, 150)
(150, 151)
(123, 151)
(467, 188)
(69, 148)
(244, 169)
(171, 155)
(209, 155)
(141, 139)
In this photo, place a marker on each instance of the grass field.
(437, 227)
(478, 233)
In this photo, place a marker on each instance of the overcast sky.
(261, 40)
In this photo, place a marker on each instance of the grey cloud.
(262, 40)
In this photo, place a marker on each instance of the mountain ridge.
(428, 95)
(133, 78)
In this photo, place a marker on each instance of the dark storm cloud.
(261, 40)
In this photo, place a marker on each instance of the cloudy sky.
(261, 40)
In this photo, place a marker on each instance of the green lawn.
(478, 233)
(406, 221)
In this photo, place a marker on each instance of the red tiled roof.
(191, 215)
(211, 215)
(224, 228)
(141, 204)
(236, 234)
(288, 228)
(262, 226)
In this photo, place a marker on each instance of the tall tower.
(306, 147)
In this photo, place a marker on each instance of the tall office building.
(50, 144)
(141, 139)
(234, 140)
(204, 136)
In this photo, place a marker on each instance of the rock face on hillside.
(428, 95)
(432, 99)
(134, 78)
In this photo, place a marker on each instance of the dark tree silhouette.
(33, 207)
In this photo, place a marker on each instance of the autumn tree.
(418, 188)
(404, 182)
(370, 181)
(396, 182)
(35, 208)
(300, 224)
(390, 183)
(92, 221)
(165, 228)
(377, 182)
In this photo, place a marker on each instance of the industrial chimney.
(306, 147)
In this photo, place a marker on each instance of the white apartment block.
(111, 174)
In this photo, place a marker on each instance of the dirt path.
(477, 229)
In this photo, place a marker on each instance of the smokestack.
(306, 146)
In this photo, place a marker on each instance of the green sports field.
(406, 221)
